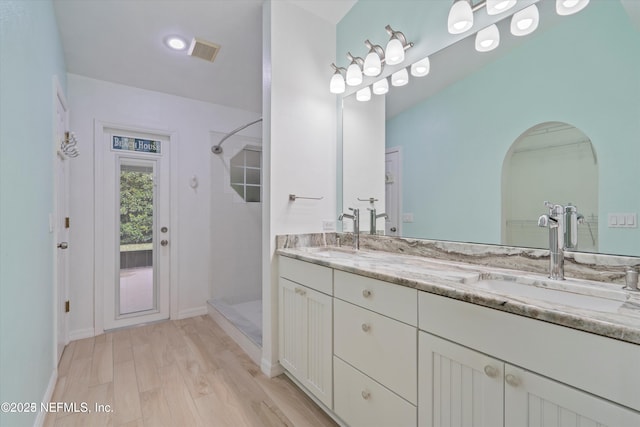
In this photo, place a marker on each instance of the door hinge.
(66, 306)
(66, 222)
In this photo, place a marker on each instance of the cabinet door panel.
(535, 401)
(457, 386)
(293, 326)
(319, 375)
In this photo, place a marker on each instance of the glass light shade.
(336, 85)
(372, 65)
(421, 68)
(176, 43)
(460, 17)
(364, 94)
(525, 21)
(400, 78)
(354, 75)
(381, 86)
(488, 38)
(394, 54)
(495, 7)
(569, 7)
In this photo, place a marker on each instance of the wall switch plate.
(622, 220)
(328, 225)
(407, 217)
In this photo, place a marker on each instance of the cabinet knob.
(366, 293)
(512, 380)
(365, 327)
(365, 394)
(491, 371)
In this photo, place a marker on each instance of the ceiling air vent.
(203, 49)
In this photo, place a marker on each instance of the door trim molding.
(58, 97)
(98, 206)
(398, 149)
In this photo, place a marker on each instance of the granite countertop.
(596, 307)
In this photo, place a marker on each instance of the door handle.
(164, 242)
(63, 245)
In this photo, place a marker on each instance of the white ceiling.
(121, 41)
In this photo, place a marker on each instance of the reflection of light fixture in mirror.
(395, 48)
(421, 68)
(354, 70)
(525, 21)
(364, 94)
(336, 85)
(400, 78)
(569, 7)
(381, 86)
(460, 17)
(373, 60)
(495, 7)
(488, 38)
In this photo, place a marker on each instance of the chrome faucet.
(373, 217)
(356, 225)
(562, 222)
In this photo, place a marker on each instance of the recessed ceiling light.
(175, 43)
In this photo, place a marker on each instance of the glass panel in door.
(137, 285)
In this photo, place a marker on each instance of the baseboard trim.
(316, 400)
(48, 394)
(271, 369)
(249, 347)
(81, 334)
(192, 312)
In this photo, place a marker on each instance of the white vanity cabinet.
(305, 325)
(458, 386)
(375, 347)
(494, 364)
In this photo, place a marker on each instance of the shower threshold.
(246, 317)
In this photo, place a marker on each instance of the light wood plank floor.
(176, 373)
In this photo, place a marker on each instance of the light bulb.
(354, 75)
(569, 7)
(336, 85)
(488, 38)
(394, 54)
(460, 17)
(421, 68)
(176, 43)
(400, 78)
(525, 21)
(372, 65)
(381, 86)
(495, 7)
(364, 94)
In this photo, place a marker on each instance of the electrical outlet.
(328, 225)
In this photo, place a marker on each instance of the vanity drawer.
(382, 348)
(305, 273)
(360, 401)
(396, 301)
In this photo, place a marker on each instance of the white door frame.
(99, 209)
(398, 180)
(60, 287)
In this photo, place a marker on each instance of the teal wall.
(30, 55)
(583, 71)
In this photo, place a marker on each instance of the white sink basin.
(517, 290)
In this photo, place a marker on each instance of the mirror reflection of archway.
(551, 161)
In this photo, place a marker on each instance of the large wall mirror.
(576, 77)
